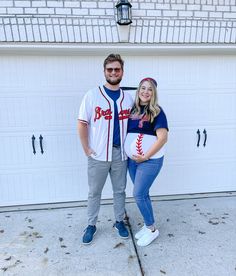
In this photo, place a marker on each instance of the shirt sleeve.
(161, 121)
(85, 111)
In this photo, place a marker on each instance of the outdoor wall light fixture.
(123, 12)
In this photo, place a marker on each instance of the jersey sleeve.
(85, 111)
(161, 121)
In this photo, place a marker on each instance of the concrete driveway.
(197, 238)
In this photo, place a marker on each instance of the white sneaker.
(148, 237)
(141, 232)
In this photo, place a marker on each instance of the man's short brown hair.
(112, 58)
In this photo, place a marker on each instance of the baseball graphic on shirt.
(138, 143)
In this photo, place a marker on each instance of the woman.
(144, 145)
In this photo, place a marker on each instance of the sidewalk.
(197, 238)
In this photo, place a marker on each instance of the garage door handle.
(205, 139)
(199, 137)
(33, 146)
(41, 143)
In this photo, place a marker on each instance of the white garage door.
(41, 159)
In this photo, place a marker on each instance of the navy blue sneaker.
(123, 232)
(90, 231)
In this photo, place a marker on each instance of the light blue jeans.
(143, 175)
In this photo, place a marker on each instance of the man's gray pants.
(97, 175)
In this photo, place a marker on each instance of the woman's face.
(145, 93)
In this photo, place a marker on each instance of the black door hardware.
(41, 143)
(205, 137)
(33, 146)
(199, 137)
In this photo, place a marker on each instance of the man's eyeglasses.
(110, 70)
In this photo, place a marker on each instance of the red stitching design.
(139, 144)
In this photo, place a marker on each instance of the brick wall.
(154, 21)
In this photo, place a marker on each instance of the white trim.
(102, 49)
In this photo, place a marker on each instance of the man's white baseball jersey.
(97, 110)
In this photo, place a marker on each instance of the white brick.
(216, 14)
(132, 34)
(154, 13)
(222, 35)
(22, 33)
(185, 13)
(96, 34)
(151, 34)
(72, 4)
(110, 12)
(97, 12)
(170, 13)
(83, 34)
(163, 7)
(115, 34)
(2, 33)
(233, 35)
(54, 4)
(71, 36)
(109, 34)
(193, 7)
(193, 34)
(138, 34)
(178, 7)
(43, 33)
(46, 11)
(15, 33)
(30, 10)
(200, 14)
(63, 11)
(223, 8)
(199, 33)
(39, 3)
(146, 6)
(80, 11)
(6, 3)
(230, 15)
(23, 4)
(15, 10)
(29, 33)
(144, 35)
(140, 13)
(103, 34)
(216, 34)
(64, 33)
(208, 8)
(88, 4)
(211, 31)
(187, 35)
(50, 33)
(157, 34)
(106, 5)
(57, 32)
(89, 34)
(77, 34)
(3, 10)
(170, 34)
(8, 33)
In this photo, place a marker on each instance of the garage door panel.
(42, 186)
(40, 95)
(190, 177)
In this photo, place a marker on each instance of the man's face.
(113, 73)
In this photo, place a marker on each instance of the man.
(102, 126)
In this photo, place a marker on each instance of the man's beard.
(114, 82)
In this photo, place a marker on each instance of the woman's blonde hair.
(152, 109)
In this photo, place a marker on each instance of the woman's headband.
(149, 79)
